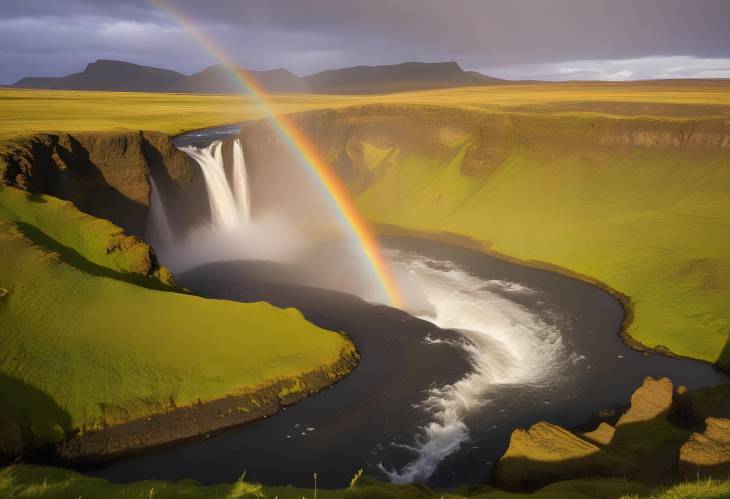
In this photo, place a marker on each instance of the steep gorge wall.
(641, 204)
(105, 174)
(358, 139)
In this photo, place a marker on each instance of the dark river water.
(481, 348)
(437, 404)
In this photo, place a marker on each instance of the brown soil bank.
(199, 419)
(639, 203)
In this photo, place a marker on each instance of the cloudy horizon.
(522, 39)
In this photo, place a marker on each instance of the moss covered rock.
(643, 445)
(602, 435)
(651, 400)
(707, 453)
(547, 453)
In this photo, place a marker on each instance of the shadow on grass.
(38, 416)
(72, 257)
(35, 198)
(723, 361)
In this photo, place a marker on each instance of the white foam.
(506, 342)
(509, 287)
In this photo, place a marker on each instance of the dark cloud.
(44, 37)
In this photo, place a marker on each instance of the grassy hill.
(92, 335)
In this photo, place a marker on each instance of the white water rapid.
(507, 344)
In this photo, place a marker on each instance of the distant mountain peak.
(221, 79)
(113, 75)
(395, 77)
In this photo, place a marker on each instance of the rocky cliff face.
(363, 143)
(104, 174)
(647, 133)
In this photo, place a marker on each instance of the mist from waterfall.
(158, 224)
(230, 233)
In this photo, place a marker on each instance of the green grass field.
(27, 111)
(44, 482)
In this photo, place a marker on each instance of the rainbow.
(333, 188)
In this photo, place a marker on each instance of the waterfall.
(240, 184)
(229, 205)
(158, 223)
(230, 233)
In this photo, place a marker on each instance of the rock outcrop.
(708, 453)
(547, 453)
(602, 435)
(643, 444)
(651, 400)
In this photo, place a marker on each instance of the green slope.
(87, 342)
(640, 204)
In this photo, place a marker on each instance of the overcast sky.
(519, 39)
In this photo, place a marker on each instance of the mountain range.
(120, 76)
